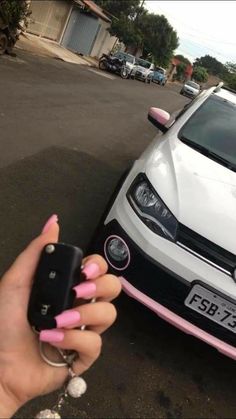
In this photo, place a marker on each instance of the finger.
(98, 317)
(94, 266)
(22, 270)
(105, 288)
(86, 343)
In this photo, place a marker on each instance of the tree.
(200, 74)
(230, 67)
(123, 15)
(182, 59)
(211, 64)
(138, 29)
(159, 38)
(231, 81)
(180, 71)
(14, 13)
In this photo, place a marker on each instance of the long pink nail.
(85, 290)
(51, 336)
(52, 220)
(91, 270)
(67, 318)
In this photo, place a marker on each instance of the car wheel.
(124, 73)
(3, 43)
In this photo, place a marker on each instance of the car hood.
(142, 69)
(191, 89)
(198, 191)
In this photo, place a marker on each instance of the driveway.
(67, 134)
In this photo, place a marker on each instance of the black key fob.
(58, 272)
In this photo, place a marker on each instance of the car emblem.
(234, 275)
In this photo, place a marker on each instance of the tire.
(102, 65)
(124, 73)
(3, 43)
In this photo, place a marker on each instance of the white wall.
(104, 41)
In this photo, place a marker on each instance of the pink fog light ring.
(106, 255)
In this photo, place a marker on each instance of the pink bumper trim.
(177, 321)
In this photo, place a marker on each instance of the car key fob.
(58, 272)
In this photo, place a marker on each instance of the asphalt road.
(66, 135)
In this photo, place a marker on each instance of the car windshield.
(192, 84)
(211, 130)
(160, 70)
(143, 63)
(129, 58)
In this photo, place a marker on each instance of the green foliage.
(12, 12)
(180, 71)
(159, 38)
(211, 64)
(231, 81)
(200, 74)
(182, 59)
(230, 67)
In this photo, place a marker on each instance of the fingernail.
(67, 318)
(52, 335)
(91, 270)
(52, 220)
(85, 290)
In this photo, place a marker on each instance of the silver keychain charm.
(75, 386)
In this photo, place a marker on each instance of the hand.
(23, 373)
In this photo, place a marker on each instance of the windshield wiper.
(208, 153)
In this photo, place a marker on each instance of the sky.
(203, 27)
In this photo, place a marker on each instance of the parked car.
(129, 59)
(169, 232)
(143, 70)
(190, 89)
(159, 76)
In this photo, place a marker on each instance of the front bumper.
(163, 292)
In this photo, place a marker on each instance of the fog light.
(117, 252)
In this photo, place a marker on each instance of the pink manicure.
(91, 271)
(51, 336)
(67, 318)
(52, 220)
(85, 290)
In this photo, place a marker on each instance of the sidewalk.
(47, 48)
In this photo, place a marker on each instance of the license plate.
(213, 306)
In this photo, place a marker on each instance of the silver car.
(190, 89)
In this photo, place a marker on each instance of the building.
(79, 25)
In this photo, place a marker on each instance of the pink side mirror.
(159, 118)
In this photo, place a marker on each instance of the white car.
(170, 233)
(190, 89)
(143, 70)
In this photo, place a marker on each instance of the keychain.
(58, 272)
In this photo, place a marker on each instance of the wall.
(48, 18)
(104, 41)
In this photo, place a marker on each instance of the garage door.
(48, 18)
(81, 32)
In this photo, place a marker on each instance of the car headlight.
(151, 209)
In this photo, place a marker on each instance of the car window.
(160, 70)
(213, 127)
(143, 63)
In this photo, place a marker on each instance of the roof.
(94, 8)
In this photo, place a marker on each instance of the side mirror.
(159, 118)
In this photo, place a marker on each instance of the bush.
(200, 74)
(14, 13)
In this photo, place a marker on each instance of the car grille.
(206, 250)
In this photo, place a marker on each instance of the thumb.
(23, 269)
